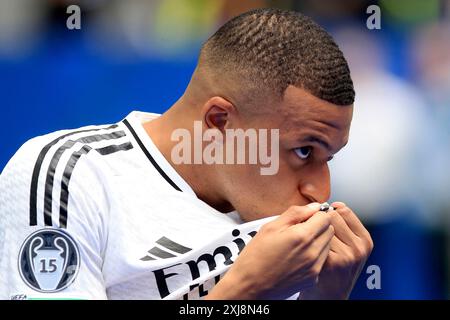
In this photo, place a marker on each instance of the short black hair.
(278, 48)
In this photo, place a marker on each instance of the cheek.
(242, 179)
(256, 196)
(247, 180)
(280, 188)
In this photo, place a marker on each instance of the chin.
(261, 214)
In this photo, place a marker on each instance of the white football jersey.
(99, 213)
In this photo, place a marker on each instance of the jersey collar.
(134, 123)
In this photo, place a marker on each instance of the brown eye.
(303, 152)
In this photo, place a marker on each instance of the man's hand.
(285, 257)
(350, 248)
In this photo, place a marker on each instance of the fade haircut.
(274, 48)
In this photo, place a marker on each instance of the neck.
(202, 178)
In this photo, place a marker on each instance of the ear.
(217, 113)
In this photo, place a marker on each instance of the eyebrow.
(331, 124)
(314, 139)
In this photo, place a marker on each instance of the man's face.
(311, 131)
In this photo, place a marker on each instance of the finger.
(353, 222)
(323, 242)
(333, 258)
(297, 214)
(323, 256)
(341, 229)
(324, 239)
(338, 204)
(337, 246)
(314, 226)
(351, 219)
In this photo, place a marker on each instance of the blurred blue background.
(139, 55)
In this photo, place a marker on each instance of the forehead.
(301, 110)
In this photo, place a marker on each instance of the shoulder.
(39, 151)
(49, 171)
(53, 188)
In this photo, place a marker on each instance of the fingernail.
(314, 205)
(338, 204)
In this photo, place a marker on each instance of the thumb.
(298, 214)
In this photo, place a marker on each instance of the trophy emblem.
(49, 260)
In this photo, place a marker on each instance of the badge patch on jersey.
(49, 260)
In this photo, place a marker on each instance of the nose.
(315, 183)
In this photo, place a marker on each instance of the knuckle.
(333, 214)
(314, 273)
(344, 211)
(310, 257)
(370, 243)
(300, 238)
(350, 258)
(267, 228)
(316, 270)
(294, 209)
(364, 248)
(344, 260)
(359, 252)
(331, 229)
(293, 213)
(325, 217)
